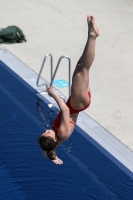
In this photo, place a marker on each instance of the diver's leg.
(88, 36)
(80, 81)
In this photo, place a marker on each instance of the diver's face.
(50, 133)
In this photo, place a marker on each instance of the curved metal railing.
(53, 75)
(69, 71)
(51, 65)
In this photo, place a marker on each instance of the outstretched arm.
(63, 131)
(60, 102)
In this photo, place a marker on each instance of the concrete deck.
(59, 27)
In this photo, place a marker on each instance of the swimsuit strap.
(72, 123)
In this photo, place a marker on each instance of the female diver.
(79, 100)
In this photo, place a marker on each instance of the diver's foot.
(94, 31)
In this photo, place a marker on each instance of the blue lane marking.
(61, 83)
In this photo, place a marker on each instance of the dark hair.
(48, 144)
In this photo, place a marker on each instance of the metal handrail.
(51, 64)
(69, 72)
(53, 75)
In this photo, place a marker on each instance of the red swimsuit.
(56, 122)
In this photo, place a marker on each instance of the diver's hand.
(51, 92)
(57, 161)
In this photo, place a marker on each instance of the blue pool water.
(86, 174)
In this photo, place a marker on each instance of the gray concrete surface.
(59, 27)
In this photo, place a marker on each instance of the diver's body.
(79, 100)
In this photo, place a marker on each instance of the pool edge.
(96, 134)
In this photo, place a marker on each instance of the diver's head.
(48, 142)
